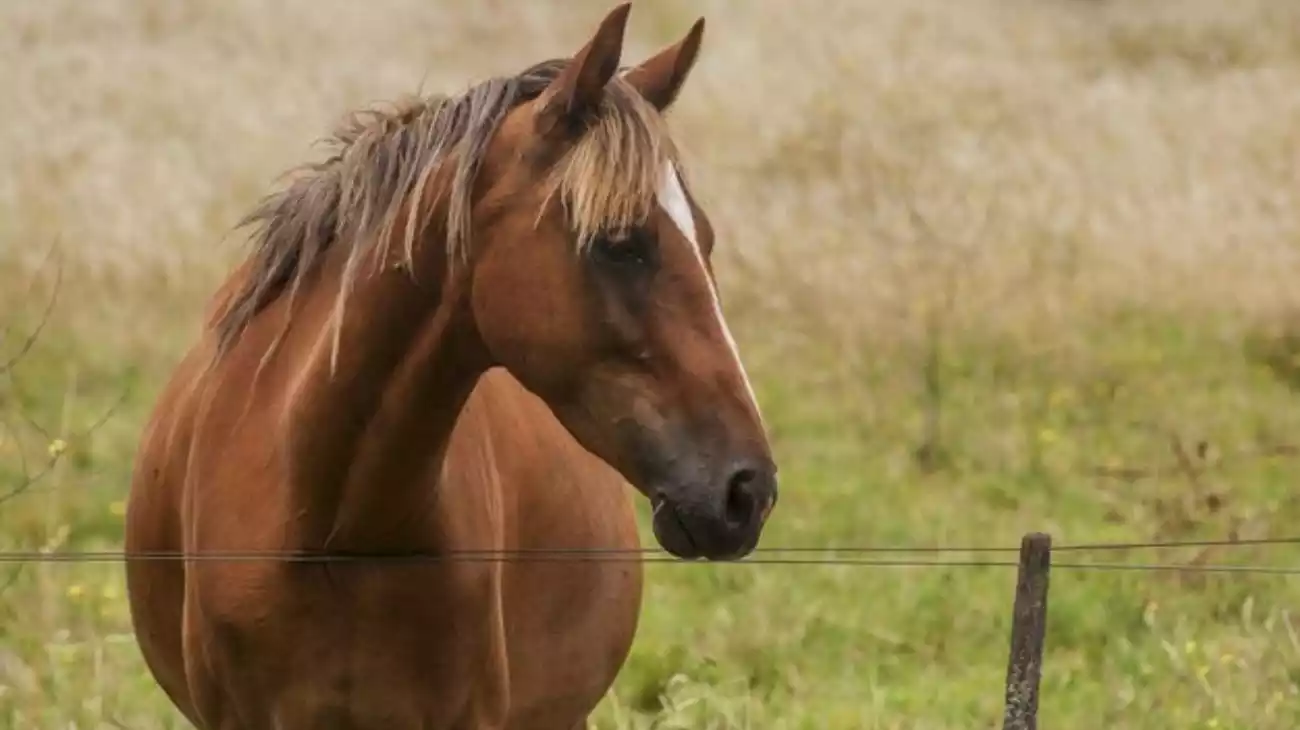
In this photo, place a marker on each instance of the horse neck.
(369, 423)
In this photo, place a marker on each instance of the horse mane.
(383, 157)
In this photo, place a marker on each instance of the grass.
(994, 268)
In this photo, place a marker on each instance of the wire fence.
(861, 556)
(1032, 559)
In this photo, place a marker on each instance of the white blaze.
(673, 199)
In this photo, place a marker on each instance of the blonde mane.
(383, 158)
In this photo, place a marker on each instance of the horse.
(467, 332)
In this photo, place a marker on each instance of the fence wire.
(827, 556)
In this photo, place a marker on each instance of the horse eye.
(624, 249)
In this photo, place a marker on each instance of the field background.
(995, 267)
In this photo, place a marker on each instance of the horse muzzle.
(717, 524)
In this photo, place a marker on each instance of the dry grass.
(1015, 239)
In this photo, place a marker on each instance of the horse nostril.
(740, 497)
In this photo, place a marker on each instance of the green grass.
(1085, 446)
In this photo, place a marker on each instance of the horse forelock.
(385, 156)
(610, 179)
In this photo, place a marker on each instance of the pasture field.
(994, 266)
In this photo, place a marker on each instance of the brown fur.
(438, 345)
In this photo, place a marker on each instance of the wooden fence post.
(1028, 628)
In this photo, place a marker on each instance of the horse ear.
(581, 85)
(660, 77)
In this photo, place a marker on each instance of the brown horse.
(468, 329)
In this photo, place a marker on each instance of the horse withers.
(467, 330)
